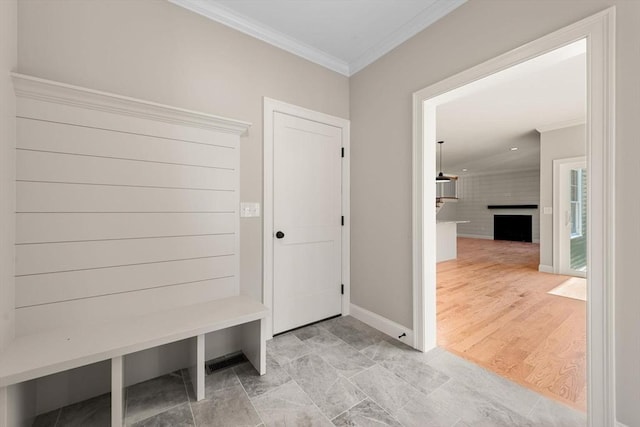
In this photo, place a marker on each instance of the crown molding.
(263, 32)
(242, 23)
(427, 17)
(61, 93)
(561, 125)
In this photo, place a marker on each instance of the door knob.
(279, 235)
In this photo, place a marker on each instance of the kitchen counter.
(446, 240)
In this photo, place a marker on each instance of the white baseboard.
(383, 324)
(619, 424)
(475, 236)
(546, 268)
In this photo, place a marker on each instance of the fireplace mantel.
(512, 207)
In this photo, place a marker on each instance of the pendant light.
(441, 176)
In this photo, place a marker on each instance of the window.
(576, 203)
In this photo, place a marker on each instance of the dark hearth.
(516, 228)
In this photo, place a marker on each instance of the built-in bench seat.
(33, 356)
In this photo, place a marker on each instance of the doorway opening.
(598, 31)
(493, 305)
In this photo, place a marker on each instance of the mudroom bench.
(32, 356)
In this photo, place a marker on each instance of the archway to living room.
(599, 141)
(498, 303)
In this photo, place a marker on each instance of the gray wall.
(8, 62)
(555, 144)
(381, 153)
(160, 52)
(16, 403)
(507, 188)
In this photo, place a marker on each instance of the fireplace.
(517, 228)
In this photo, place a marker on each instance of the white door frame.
(558, 245)
(599, 30)
(271, 106)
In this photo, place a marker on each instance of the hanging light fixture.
(441, 176)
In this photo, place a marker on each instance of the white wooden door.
(307, 194)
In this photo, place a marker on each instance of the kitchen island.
(446, 240)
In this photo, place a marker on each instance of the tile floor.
(339, 372)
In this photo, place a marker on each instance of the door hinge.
(342, 152)
(342, 219)
(341, 289)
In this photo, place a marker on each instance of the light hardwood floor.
(493, 309)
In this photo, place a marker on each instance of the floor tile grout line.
(186, 389)
(530, 413)
(372, 399)
(272, 390)
(312, 401)
(55, 424)
(249, 397)
(167, 409)
(350, 408)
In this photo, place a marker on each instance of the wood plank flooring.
(493, 309)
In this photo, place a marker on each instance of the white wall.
(555, 144)
(381, 118)
(476, 192)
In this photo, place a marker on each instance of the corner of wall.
(8, 63)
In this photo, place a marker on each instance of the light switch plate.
(547, 210)
(249, 210)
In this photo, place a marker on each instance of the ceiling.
(342, 35)
(481, 125)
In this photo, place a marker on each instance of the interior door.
(572, 218)
(307, 213)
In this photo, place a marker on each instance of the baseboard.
(382, 324)
(475, 236)
(619, 424)
(545, 268)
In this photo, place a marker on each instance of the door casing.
(600, 32)
(271, 106)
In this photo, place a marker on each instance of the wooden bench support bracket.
(196, 369)
(117, 391)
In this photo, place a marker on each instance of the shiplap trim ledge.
(61, 93)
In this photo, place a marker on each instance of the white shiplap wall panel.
(46, 288)
(62, 138)
(72, 227)
(128, 304)
(55, 257)
(476, 192)
(53, 167)
(124, 206)
(55, 197)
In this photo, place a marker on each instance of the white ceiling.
(480, 127)
(342, 35)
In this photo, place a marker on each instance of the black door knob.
(279, 234)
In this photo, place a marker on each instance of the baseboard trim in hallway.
(389, 327)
